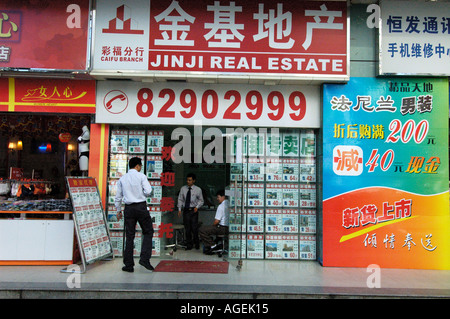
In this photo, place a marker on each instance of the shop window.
(35, 162)
(278, 168)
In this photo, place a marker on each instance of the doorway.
(169, 154)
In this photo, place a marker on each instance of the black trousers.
(137, 213)
(206, 233)
(190, 221)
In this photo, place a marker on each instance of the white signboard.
(121, 35)
(124, 102)
(415, 38)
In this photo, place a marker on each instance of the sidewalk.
(269, 279)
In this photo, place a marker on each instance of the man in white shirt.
(133, 188)
(220, 225)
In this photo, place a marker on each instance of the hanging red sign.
(64, 137)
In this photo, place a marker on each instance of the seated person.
(219, 227)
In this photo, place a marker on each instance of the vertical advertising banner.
(385, 173)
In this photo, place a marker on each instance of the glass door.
(200, 151)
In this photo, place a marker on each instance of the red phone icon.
(121, 97)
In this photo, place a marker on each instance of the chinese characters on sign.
(61, 42)
(236, 36)
(385, 141)
(390, 240)
(9, 31)
(356, 217)
(50, 96)
(414, 38)
(429, 25)
(275, 25)
(347, 159)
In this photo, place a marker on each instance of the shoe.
(146, 265)
(209, 252)
(128, 269)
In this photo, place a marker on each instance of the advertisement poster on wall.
(385, 173)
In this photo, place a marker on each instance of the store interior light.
(11, 146)
(70, 147)
(19, 145)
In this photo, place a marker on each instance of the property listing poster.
(89, 218)
(119, 141)
(136, 142)
(385, 173)
(154, 166)
(255, 246)
(237, 245)
(237, 220)
(155, 142)
(274, 219)
(290, 246)
(273, 245)
(118, 165)
(155, 199)
(255, 220)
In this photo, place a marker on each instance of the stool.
(178, 230)
(222, 240)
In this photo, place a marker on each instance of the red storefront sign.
(44, 34)
(249, 36)
(258, 38)
(47, 96)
